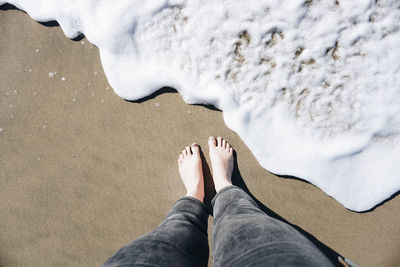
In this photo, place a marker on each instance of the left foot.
(191, 171)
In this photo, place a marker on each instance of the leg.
(181, 239)
(243, 235)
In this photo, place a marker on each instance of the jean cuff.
(192, 210)
(226, 188)
(199, 207)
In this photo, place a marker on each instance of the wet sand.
(83, 172)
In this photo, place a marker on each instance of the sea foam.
(312, 87)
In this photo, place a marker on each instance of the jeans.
(243, 235)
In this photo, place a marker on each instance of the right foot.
(221, 156)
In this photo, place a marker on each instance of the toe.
(230, 150)
(219, 139)
(188, 150)
(195, 149)
(223, 143)
(211, 141)
(184, 152)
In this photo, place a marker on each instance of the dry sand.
(83, 171)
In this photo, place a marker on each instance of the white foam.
(312, 87)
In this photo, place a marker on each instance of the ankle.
(197, 195)
(221, 184)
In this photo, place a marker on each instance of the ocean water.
(312, 87)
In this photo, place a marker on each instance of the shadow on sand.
(51, 23)
(365, 211)
(9, 7)
(168, 90)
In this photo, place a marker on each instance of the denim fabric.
(243, 235)
(180, 240)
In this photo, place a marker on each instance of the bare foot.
(191, 171)
(221, 155)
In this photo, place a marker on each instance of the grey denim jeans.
(243, 235)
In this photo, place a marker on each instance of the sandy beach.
(83, 172)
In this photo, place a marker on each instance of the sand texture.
(83, 171)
